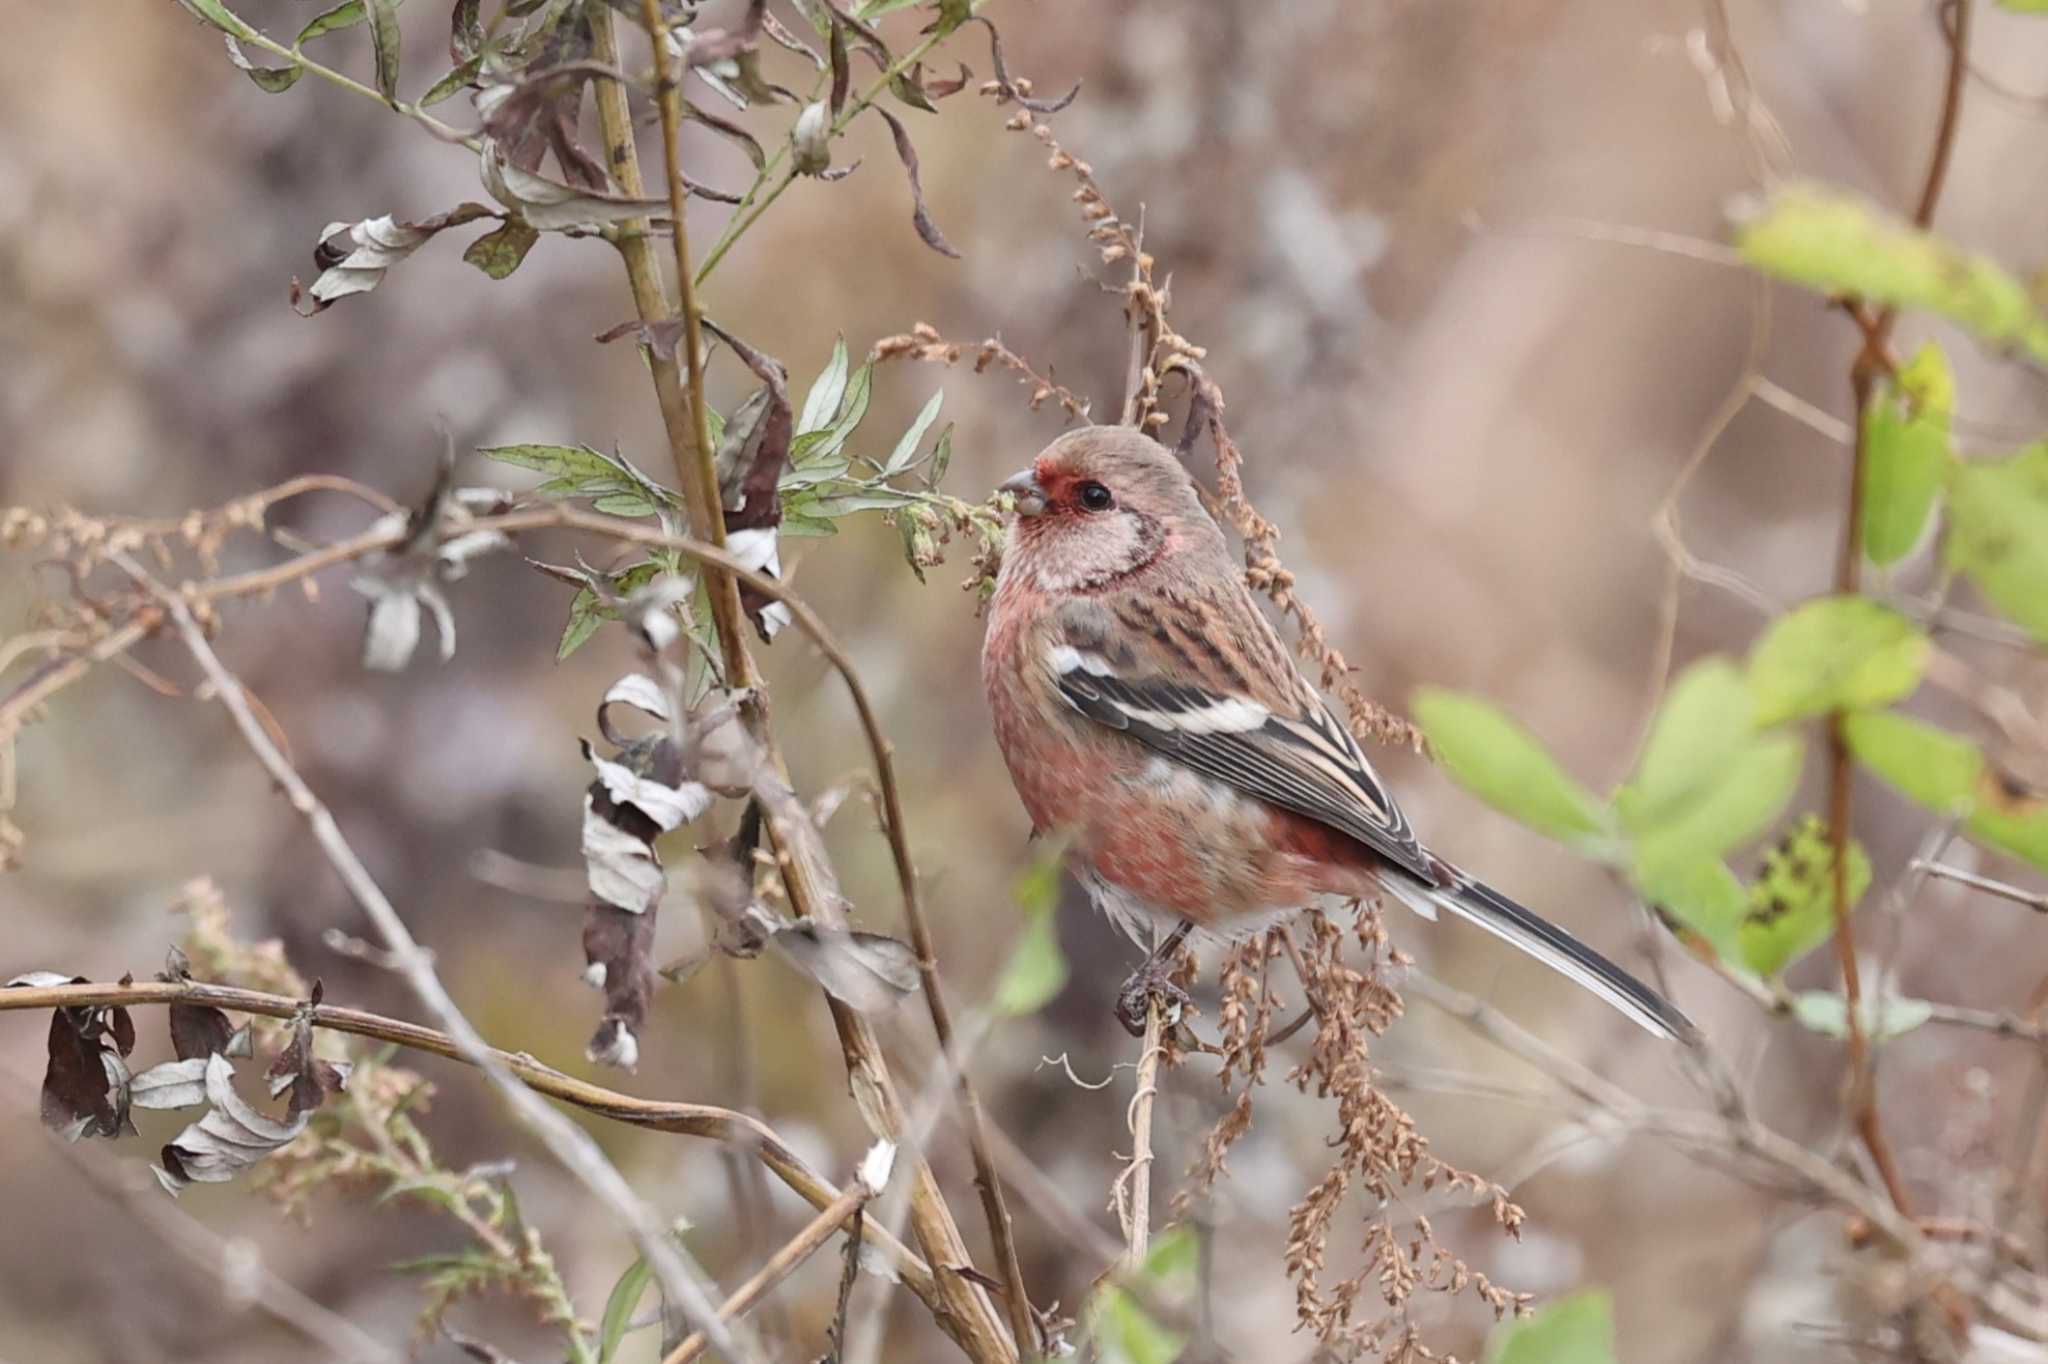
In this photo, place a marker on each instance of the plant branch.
(679, 1278)
(756, 200)
(780, 1266)
(2033, 900)
(741, 1131)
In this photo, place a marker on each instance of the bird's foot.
(1152, 980)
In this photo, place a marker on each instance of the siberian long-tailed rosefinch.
(1149, 713)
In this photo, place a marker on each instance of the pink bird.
(1149, 713)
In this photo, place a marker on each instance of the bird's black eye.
(1095, 497)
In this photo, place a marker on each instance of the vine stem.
(1872, 361)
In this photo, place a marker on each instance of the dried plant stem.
(780, 1266)
(682, 410)
(741, 1131)
(685, 1284)
(969, 1317)
(1132, 1193)
(2030, 899)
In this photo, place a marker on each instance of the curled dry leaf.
(275, 79)
(199, 1030)
(171, 1084)
(752, 455)
(354, 256)
(400, 582)
(228, 1140)
(869, 972)
(550, 205)
(619, 948)
(297, 1070)
(1008, 87)
(920, 216)
(86, 1085)
(810, 140)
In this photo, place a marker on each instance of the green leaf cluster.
(1718, 768)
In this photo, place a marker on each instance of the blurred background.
(1394, 226)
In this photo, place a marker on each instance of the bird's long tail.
(1545, 941)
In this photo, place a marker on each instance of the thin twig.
(276, 1296)
(2033, 900)
(780, 1266)
(685, 1284)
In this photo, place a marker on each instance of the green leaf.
(343, 16)
(821, 404)
(806, 525)
(274, 79)
(618, 1309)
(906, 448)
(942, 458)
(450, 86)
(827, 442)
(499, 253)
(1574, 1330)
(1827, 1013)
(813, 473)
(1998, 533)
(1122, 1331)
(221, 17)
(1837, 653)
(1906, 454)
(1703, 895)
(1704, 718)
(1836, 243)
(1037, 969)
(572, 468)
(1707, 781)
(1501, 763)
(1791, 907)
(383, 15)
(2025, 6)
(1936, 769)
(587, 611)
(624, 504)
(874, 9)
(1948, 775)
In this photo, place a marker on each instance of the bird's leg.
(1154, 977)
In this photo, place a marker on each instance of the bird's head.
(1100, 503)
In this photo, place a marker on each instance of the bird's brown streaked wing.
(1303, 761)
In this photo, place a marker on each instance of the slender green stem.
(754, 204)
(256, 38)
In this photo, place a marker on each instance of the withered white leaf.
(759, 549)
(173, 1084)
(642, 693)
(866, 971)
(552, 205)
(668, 806)
(353, 257)
(623, 870)
(228, 1140)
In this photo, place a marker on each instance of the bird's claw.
(1153, 980)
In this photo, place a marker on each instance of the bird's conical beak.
(1024, 486)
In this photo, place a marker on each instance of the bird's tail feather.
(1549, 944)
